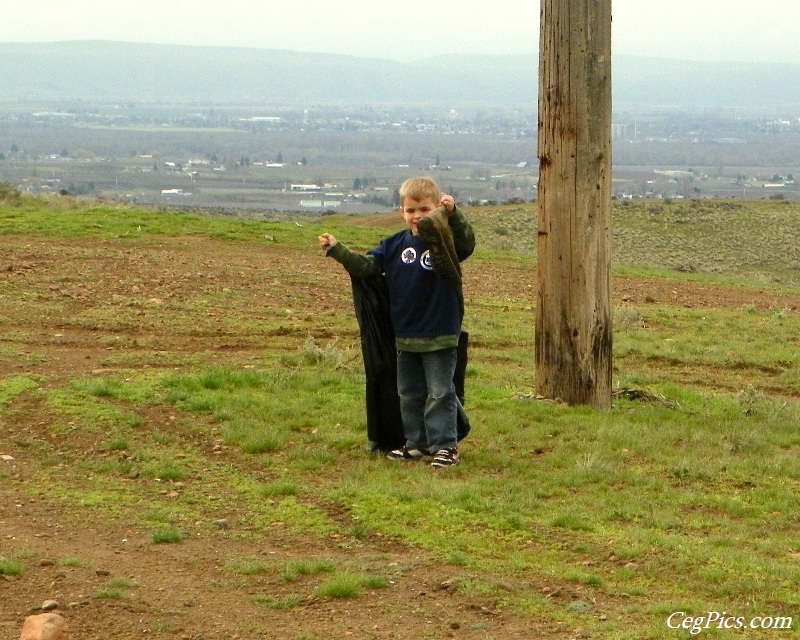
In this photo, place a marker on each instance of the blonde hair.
(419, 188)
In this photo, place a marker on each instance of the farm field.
(183, 439)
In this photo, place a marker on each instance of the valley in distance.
(247, 129)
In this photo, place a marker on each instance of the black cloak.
(384, 424)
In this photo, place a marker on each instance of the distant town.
(351, 159)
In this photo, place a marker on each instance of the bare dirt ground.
(182, 589)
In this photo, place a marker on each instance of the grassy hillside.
(193, 385)
(754, 242)
(750, 242)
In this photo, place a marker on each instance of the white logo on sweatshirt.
(409, 255)
(426, 261)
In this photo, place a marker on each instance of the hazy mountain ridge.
(102, 70)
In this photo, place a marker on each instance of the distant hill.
(99, 70)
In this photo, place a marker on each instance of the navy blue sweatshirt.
(425, 312)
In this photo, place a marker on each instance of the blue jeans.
(428, 402)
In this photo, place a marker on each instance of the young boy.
(426, 309)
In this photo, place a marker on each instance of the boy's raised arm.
(463, 234)
(354, 263)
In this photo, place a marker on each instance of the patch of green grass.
(471, 587)
(584, 578)
(107, 465)
(165, 469)
(108, 593)
(122, 582)
(294, 570)
(167, 535)
(118, 444)
(283, 602)
(14, 386)
(86, 412)
(156, 514)
(458, 559)
(11, 566)
(250, 565)
(162, 438)
(572, 520)
(279, 488)
(114, 220)
(255, 438)
(350, 585)
(163, 626)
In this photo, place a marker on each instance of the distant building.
(619, 131)
(273, 119)
(675, 174)
(305, 187)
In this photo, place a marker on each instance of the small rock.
(44, 626)
(102, 573)
(222, 523)
(49, 605)
(46, 563)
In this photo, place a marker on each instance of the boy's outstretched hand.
(448, 202)
(326, 241)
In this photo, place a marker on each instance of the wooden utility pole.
(573, 319)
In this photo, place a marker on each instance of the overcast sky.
(411, 29)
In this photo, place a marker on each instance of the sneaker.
(445, 458)
(407, 454)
